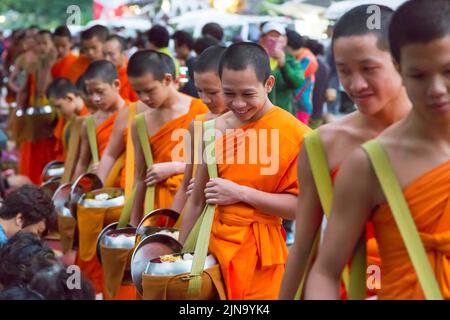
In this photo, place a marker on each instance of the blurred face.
(44, 43)
(367, 73)
(102, 94)
(152, 92)
(37, 228)
(66, 105)
(182, 51)
(244, 94)
(113, 52)
(425, 69)
(209, 89)
(62, 45)
(93, 49)
(272, 41)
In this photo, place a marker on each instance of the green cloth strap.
(403, 218)
(126, 211)
(355, 279)
(191, 239)
(141, 127)
(92, 138)
(202, 244)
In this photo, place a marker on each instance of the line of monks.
(399, 77)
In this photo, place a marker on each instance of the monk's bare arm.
(195, 203)
(181, 197)
(277, 204)
(85, 154)
(308, 218)
(353, 201)
(138, 205)
(115, 146)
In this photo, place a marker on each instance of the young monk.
(38, 150)
(64, 96)
(418, 149)
(247, 235)
(369, 77)
(207, 83)
(92, 41)
(62, 40)
(102, 88)
(152, 75)
(114, 51)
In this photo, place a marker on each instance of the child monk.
(64, 96)
(209, 88)
(152, 76)
(102, 88)
(62, 40)
(92, 41)
(252, 196)
(418, 150)
(114, 51)
(369, 77)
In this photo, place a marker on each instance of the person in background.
(184, 46)
(28, 208)
(296, 46)
(320, 87)
(214, 30)
(158, 40)
(203, 43)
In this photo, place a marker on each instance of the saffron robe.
(250, 244)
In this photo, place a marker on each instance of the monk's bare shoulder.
(341, 137)
(358, 165)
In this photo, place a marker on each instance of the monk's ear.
(167, 80)
(19, 220)
(116, 84)
(270, 82)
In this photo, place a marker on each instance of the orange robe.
(92, 268)
(103, 132)
(36, 152)
(77, 68)
(125, 91)
(162, 147)
(61, 137)
(428, 199)
(62, 67)
(373, 256)
(249, 244)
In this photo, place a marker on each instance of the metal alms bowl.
(149, 248)
(116, 194)
(84, 183)
(53, 169)
(145, 228)
(109, 237)
(156, 267)
(61, 199)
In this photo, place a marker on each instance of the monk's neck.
(173, 99)
(266, 108)
(79, 107)
(394, 111)
(119, 104)
(428, 127)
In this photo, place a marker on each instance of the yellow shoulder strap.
(72, 152)
(402, 216)
(141, 127)
(92, 138)
(129, 165)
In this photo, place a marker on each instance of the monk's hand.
(222, 192)
(190, 187)
(160, 172)
(94, 167)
